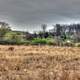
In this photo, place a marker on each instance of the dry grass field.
(39, 63)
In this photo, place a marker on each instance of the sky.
(28, 15)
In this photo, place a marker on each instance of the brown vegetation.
(39, 63)
(11, 48)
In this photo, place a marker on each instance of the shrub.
(52, 43)
(68, 43)
(13, 37)
(25, 42)
(77, 44)
(7, 42)
(39, 41)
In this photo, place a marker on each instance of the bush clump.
(77, 44)
(68, 43)
(54, 43)
(39, 41)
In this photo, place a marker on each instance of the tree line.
(60, 35)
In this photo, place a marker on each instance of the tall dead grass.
(39, 63)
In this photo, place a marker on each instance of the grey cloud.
(36, 12)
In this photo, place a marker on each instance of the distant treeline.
(60, 35)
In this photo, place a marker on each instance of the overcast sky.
(29, 14)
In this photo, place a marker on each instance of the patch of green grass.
(39, 41)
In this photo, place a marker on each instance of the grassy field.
(39, 63)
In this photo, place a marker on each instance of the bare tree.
(44, 26)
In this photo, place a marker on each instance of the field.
(39, 63)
